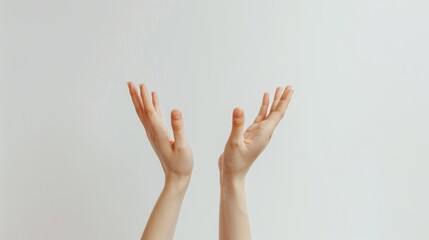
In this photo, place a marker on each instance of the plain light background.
(350, 160)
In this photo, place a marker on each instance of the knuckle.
(177, 126)
(149, 112)
(179, 147)
(237, 121)
(234, 143)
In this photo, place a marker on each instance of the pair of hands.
(241, 150)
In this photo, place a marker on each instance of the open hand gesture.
(243, 147)
(175, 154)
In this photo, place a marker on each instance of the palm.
(166, 149)
(243, 148)
(175, 153)
(258, 134)
(255, 134)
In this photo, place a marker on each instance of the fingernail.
(238, 112)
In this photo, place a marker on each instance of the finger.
(237, 126)
(277, 97)
(280, 110)
(177, 124)
(264, 108)
(155, 101)
(154, 123)
(149, 110)
(285, 99)
(138, 105)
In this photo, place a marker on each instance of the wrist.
(176, 183)
(232, 181)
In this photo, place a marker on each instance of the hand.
(175, 154)
(242, 149)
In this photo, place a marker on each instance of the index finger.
(138, 105)
(154, 120)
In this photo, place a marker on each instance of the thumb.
(237, 125)
(178, 126)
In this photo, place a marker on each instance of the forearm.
(233, 217)
(163, 219)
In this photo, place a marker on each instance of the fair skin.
(175, 155)
(176, 159)
(241, 150)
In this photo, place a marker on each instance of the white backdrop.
(349, 160)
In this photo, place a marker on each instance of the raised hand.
(243, 147)
(175, 154)
(241, 150)
(176, 159)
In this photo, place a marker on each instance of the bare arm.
(176, 159)
(163, 219)
(241, 150)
